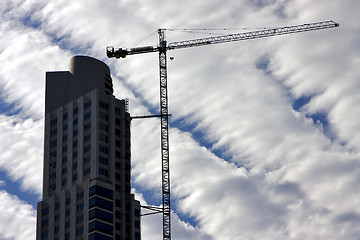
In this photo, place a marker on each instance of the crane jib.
(252, 35)
(123, 52)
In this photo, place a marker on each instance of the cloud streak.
(245, 163)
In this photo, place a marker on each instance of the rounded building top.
(81, 64)
(85, 74)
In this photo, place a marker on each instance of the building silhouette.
(86, 178)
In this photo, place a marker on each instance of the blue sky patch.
(8, 109)
(200, 137)
(320, 119)
(300, 102)
(13, 187)
(263, 64)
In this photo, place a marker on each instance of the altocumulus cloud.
(17, 218)
(245, 163)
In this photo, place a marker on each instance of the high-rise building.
(86, 181)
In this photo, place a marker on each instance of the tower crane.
(162, 48)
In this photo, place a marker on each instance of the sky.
(264, 134)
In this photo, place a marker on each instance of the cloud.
(244, 163)
(17, 218)
(22, 151)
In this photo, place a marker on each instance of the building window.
(76, 111)
(87, 159)
(65, 127)
(67, 236)
(52, 176)
(137, 236)
(53, 122)
(45, 211)
(100, 214)
(103, 116)
(103, 105)
(53, 154)
(117, 166)
(117, 121)
(52, 187)
(75, 133)
(103, 160)
(67, 201)
(87, 116)
(75, 154)
(75, 122)
(74, 177)
(103, 127)
(57, 206)
(56, 229)
(65, 116)
(87, 126)
(64, 149)
(80, 195)
(101, 191)
(117, 143)
(96, 236)
(64, 171)
(45, 223)
(87, 105)
(117, 132)
(80, 219)
(64, 160)
(137, 212)
(67, 213)
(103, 171)
(118, 111)
(53, 165)
(44, 235)
(67, 224)
(65, 138)
(87, 148)
(53, 133)
(117, 177)
(101, 203)
(79, 207)
(101, 227)
(53, 143)
(75, 144)
(103, 149)
(86, 171)
(79, 231)
(103, 138)
(57, 217)
(87, 137)
(137, 224)
(63, 182)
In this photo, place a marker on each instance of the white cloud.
(22, 151)
(17, 218)
(288, 178)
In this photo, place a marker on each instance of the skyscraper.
(86, 179)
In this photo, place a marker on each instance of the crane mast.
(162, 48)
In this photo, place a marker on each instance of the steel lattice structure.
(162, 48)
